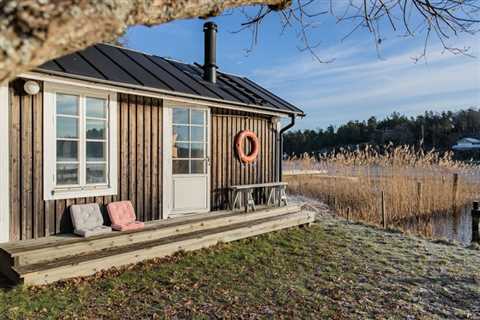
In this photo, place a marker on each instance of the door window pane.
(180, 166)
(189, 138)
(96, 129)
(198, 166)
(180, 116)
(180, 133)
(67, 150)
(67, 127)
(67, 104)
(96, 151)
(96, 108)
(197, 134)
(96, 173)
(180, 150)
(67, 174)
(197, 150)
(198, 116)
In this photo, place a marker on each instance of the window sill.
(75, 192)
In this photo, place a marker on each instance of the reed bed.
(415, 184)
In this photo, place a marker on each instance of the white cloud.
(358, 84)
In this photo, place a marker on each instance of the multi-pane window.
(189, 141)
(82, 140)
(80, 159)
(68, 139)
(96, 139)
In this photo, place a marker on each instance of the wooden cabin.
(108, 123)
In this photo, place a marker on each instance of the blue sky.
(359, 83)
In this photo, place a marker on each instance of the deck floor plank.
(63, 256)
(33, 251)
(88, 264)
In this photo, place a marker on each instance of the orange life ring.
(239, 143)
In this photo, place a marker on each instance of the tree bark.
(35, 31)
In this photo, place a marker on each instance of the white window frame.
(51, 190)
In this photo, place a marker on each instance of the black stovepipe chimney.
(210, 63)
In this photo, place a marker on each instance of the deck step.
(56, 247)
(88, 264)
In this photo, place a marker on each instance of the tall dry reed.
(415, 184)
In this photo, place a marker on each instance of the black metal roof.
(123, 66)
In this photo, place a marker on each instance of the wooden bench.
(277, 195)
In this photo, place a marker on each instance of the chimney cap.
(210, 25)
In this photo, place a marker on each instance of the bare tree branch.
(35, 31)
(444, 19)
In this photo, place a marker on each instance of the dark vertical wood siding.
(139, 164)
(226, 168)
(140, 150)
(139, 161)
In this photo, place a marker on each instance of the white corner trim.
(4, 166)
(167, 162)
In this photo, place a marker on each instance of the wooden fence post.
(348, 213)
(455, 192)
(475, 222)
(384, 219)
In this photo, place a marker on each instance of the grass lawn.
(331, 270)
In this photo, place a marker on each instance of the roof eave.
(253, 107)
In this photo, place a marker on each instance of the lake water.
(454, 227)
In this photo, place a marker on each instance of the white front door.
(187, 165)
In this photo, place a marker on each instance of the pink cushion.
(122, 216)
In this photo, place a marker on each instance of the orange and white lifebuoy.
(239, 145)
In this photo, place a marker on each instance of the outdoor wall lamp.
(31, 87)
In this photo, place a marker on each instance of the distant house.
(466, 144)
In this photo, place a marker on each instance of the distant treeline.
(430, 130)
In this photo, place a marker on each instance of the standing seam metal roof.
(121, 65)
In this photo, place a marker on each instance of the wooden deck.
(58, 257)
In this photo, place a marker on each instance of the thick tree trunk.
(35, 31)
